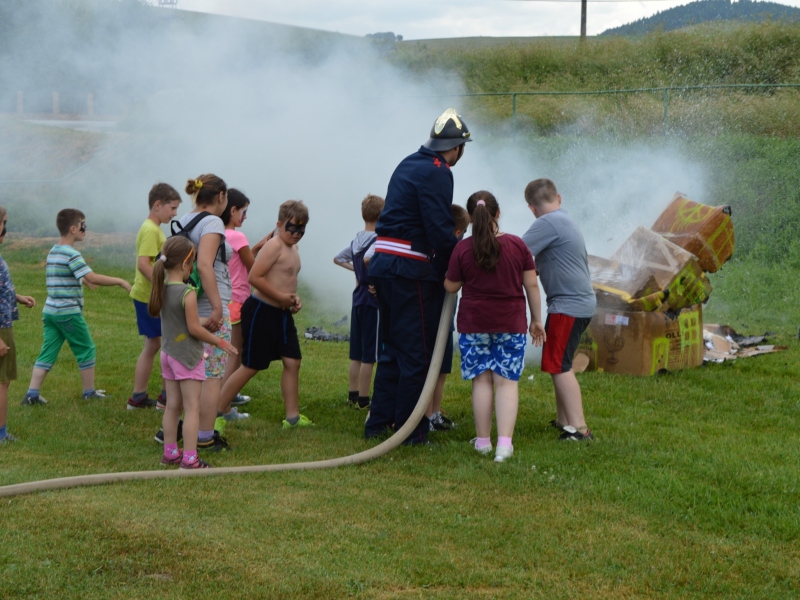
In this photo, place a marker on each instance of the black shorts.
(563, 336)
(364, 334)
(447, 358)
(268, 333)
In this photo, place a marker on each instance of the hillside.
(126, 49)
(709, 11)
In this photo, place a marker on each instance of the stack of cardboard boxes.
(650, 292)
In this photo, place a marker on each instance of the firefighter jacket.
(416, 228)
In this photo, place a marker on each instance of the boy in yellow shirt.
(163, 201)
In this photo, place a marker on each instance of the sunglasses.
(297, 228)
(82, 228)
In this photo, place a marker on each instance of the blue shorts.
(364, 334)
(149, 327)
(503, 353)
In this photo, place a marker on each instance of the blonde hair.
(371, 208)
(293, 209)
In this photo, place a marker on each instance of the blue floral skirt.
(503, 353)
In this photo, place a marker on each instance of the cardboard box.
(705, 231)
(673, 268)
(643, 343)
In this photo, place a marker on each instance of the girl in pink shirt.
(239, 266)
(495, 272)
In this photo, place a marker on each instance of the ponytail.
(175, 252)
(157, 293)
(485, 247)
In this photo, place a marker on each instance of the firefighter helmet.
(448, 132)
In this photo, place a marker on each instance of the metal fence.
(32, 103)
(666, 94)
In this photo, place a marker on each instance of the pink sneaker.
(197, 463)
(175, 460)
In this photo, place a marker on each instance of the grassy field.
(691, 489)
(703, 55)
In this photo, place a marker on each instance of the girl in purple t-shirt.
(495, 272)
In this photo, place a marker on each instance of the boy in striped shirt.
(63, 311)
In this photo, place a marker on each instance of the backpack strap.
(177, 229)
(181, 229)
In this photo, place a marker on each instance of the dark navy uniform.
(415, 240)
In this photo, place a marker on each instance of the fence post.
(20, 103)
(666, 110)
(514, 113)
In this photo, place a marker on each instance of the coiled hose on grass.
(354, 459)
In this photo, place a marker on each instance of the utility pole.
(583, 20)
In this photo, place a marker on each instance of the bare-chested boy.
(268, 331)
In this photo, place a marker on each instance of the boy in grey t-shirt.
(560, 252)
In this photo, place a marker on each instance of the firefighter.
(415, 240)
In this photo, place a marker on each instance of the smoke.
(326, 120)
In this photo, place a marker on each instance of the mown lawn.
(691, 489)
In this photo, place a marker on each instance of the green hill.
(122, 50)
(709, 11)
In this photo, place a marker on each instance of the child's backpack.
(177, 229)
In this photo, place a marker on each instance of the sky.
(425, 19)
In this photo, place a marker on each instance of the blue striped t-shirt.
(64, 270)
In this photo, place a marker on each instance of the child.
(8, 350)
(557, 244)
(364, 314)
(63, 310)
(493, 269)
(268, 331)
(438, 421)
(182, 355)
(210, 195)
(239, 266)
(163, 201)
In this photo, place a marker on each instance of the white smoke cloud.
(330, 129)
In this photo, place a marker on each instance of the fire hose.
(354, 459)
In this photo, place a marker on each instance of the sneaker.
(7, 439)
(556, 425)
(215, 444)
(235, 415)
(303, 422)
(484, 450)
(502, 453)
(197, 463)
(441, 423)
(219, 425)
(175, 460)
(361, 403)
(352, 400)
(29, 400)
(143, 403)
(240, 399)
(161, 402)
(573, 435)
(159, 437)
(96, 395)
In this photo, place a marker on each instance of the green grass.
(691, 489)
(710, 54)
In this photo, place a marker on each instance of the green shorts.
(74, 330)
(8, 363)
